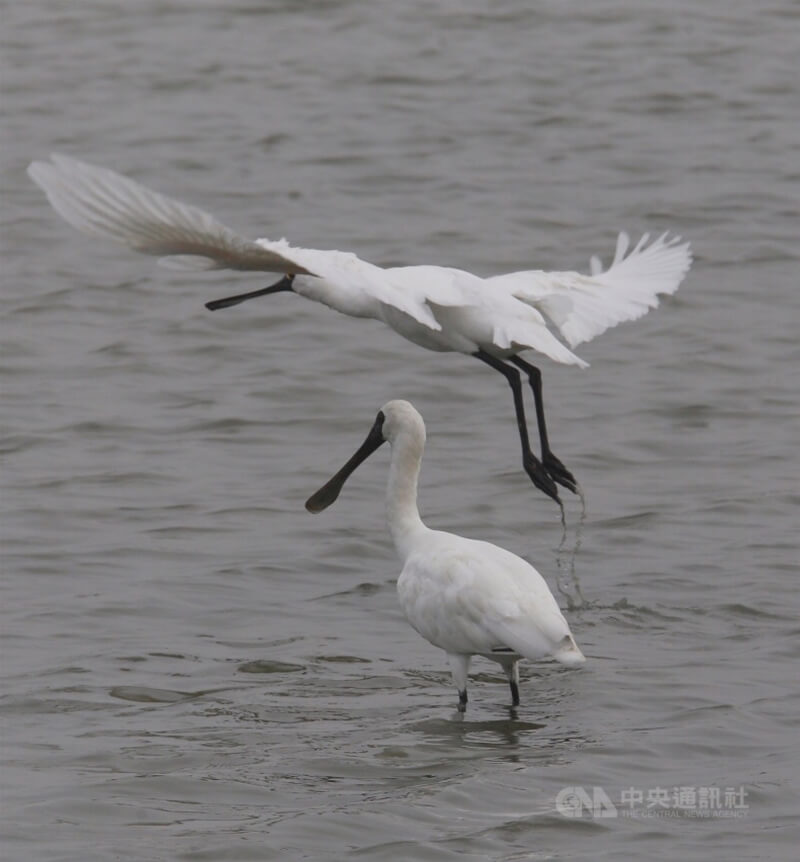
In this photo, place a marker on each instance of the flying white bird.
(464, 596)
(439, 308)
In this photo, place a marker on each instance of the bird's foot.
(462, 701)
(559, 473)
(540, 477)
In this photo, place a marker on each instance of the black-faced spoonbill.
(439, 308)
(464, 596)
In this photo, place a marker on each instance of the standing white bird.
(439, 308)
(464, 596)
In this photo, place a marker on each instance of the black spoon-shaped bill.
(284, 284)
(328, 493)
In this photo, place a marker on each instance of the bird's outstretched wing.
(583, 306)
(103, 203)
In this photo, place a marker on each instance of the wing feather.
(581, 307)
(511, 600)
(518, 332)
(102, 203)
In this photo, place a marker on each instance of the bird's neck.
(402, 512)
(340, 297)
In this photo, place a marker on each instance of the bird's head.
(394, 419)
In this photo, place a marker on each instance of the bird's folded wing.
(507, 598)
(534, 628)
(583, 306)
(102, 203)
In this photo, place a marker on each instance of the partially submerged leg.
(459, 666)
(533, 466)
(551, 464)
(512, 673)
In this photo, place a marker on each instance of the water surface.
(193, 666)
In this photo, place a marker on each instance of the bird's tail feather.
(549, 636)
(569, 653)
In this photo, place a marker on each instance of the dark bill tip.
(284, 284)
(328, 493)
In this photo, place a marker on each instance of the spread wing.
(583, 306)
(103, 203)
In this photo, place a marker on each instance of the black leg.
(552, 465)
(533, 466)
(512, 672)
(462, 701)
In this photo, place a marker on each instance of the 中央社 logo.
(576, 802)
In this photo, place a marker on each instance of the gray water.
(195, 668)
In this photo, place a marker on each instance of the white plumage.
(464, 596)
(439, 308)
